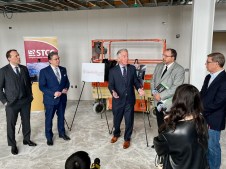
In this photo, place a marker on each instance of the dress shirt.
(213, 76)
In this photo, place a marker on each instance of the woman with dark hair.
(183, 138)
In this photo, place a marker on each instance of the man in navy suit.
(16, 95)
(213, 94)
(122, 79)
(54, 83)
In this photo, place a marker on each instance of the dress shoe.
(30, 143)
(50, 142)
(14, 150)
(153, 146)
(126, 144)
(65, 137)
(114, 139)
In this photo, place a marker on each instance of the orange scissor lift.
(102, 49)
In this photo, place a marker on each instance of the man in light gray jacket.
(167, 76)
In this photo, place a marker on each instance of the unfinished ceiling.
(22, 6)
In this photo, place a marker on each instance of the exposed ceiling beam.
(14, 8)
(36, 6)
(93, 5)
(109, 3)
(141, 5)
(45, 4)
(172, 2)
(62, 4)
(22, 6)
(124, 3)
(3, 2)
(77, 4)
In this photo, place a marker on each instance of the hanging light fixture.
(135, 4)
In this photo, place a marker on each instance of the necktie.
(165, 70)
(57, 74)
(17, 71)
(124, 74)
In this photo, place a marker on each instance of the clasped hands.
(58, 94)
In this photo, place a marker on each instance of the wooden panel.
(37, 103)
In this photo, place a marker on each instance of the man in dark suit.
(54, 83)
(16, 95)
(122, 79)
(213, 95)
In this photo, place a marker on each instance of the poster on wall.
(36, 53)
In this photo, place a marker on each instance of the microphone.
(96, 164)
(161, 107)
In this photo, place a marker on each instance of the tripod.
(146, 136)
(104, 109)
(77, 105)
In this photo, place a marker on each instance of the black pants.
(12, 112)
(159, 117)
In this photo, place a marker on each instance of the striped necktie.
(57, 74)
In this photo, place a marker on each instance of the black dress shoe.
(50, 142)
(30, 143)
(152, 146)
(65, 137)
(14, 150)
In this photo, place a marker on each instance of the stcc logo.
(38, 53)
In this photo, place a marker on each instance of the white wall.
(76, 29)
(220, 17)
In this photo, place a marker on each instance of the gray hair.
(217, 57)
(121, 50)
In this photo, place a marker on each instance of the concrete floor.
(89, 133)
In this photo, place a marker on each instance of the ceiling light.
(135, 4)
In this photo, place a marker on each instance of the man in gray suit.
(167, 76)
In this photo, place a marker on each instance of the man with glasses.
(54, 83)
(213, 95)
(167, 76)
(170, 75)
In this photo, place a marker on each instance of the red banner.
(36, 53)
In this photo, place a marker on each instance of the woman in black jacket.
(183, 138)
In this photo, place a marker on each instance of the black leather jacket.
(180, 148)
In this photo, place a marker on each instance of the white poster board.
(93, 72)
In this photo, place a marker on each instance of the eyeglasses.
(207, 62)
(163, 55)
(56, 59)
